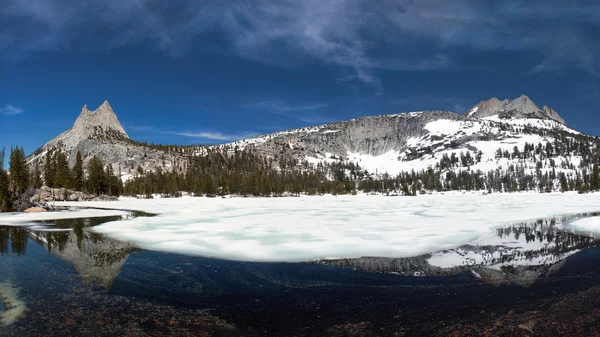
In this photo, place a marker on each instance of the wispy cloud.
(10, 110)
(304, 112)
(276, 105)
(216, 135)
(202, 135)
(358, 37)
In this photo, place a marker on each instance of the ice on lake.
(325, 227)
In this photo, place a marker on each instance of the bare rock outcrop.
(520, 107)
(47, 194)
(99, 133)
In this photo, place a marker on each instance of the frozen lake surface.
(76, 281)
(327, 227)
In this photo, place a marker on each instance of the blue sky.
(199, 72)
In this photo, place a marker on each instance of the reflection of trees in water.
(59, 239)
(4, 237)
(15, 237)
(555, 239)
(18, 240)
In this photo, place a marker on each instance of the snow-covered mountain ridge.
(493, 136)
(410, 141)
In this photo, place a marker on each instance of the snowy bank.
(7, 219)
(309, 228)
(588, 224)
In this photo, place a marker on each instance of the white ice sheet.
(307, 228)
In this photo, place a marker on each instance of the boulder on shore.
(47, 194)
(35, 210)
(105, 198)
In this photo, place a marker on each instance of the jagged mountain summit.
(521, 107)
(103, 120)
(99, 133)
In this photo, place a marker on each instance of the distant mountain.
(508, 136)
(417, 140)
(521, 107)
(100, 133)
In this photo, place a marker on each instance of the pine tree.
(19, 172)
(78, 177)
(4, 185)
(109, 177)
(62, 176)
(595, 178)
(96, 179)
(49, 169)
(564, 185)
(114, 185)
(36, 176)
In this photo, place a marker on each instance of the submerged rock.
(14, 307)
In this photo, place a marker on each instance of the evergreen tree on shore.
(62, 175)
(19, 172)
(113, 183)
(49, 169)
(96, 182)
(4, 185)
(36, 176)
(78, 177)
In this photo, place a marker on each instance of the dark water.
(79, 283)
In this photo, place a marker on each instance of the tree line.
(220, 171)
(95, 178)
(99, 179)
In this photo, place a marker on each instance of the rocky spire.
(521, 104)
(552, 114)
(520, 107)
(103, 117)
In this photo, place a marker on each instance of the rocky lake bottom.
(59, 278)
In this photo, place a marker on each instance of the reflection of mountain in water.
(97, 258)
(517, 254)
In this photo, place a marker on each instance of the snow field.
(7, 219)
(393, 162)
(308, 228)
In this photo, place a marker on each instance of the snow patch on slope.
(472, 111)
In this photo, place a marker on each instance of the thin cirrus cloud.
(355, 36)
(202, 135)
(304, 112)
(10, 110)
(218, 136)
(276, 106)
